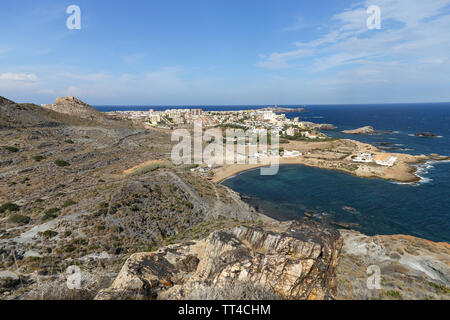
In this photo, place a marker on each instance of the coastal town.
(270, 120)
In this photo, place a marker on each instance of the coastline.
(392, 237)
(406, 171)
(337, 156)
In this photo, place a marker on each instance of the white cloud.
(406, 61)
(19, 77)
(422, 33)
(277, 60)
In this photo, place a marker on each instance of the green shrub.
(19, 219)
(187, 204)
(69, 141)
(10, 149)
(61, 163)
(69, 203)
(50, 214)
(49, 234)
(440, 288)
(79, 242)
(69, 248)
(393, 294)
(102, 209)
(38, 158)
(9, 283)
(9, 206)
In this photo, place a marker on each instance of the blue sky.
(196, 52)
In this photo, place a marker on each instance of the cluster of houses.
(284, 154)
(382, 159)
(257, 121)
(167, 117)
(303, 131)
(291, 154)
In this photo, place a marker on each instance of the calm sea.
(378, 206)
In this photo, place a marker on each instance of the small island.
(426, 135)
(363, 130)
(277, 109)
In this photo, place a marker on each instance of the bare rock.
(410, 268)
(294, 260)
(75, 107)
(426, 135)
(363, 130)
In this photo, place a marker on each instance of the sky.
(226, 52)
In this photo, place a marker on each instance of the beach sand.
(337, 155)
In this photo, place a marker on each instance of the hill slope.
(75, 107)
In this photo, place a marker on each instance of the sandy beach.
(337, 155)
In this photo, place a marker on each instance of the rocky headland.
(284, 110)
(364, 130)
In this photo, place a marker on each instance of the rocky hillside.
(68, 196)
(75, 107)
(295, 260)
(28, 115)
(410, 268)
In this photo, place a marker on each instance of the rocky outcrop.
(75, 107)
(363, 130)
(410, 268)
(318, 126)
(326, 126)
(294, 260)
(426, 135)
(4, 101)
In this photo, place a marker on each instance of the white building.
(385, 160)
(290, 131)
(363, 157)
(291, 154)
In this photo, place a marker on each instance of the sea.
(371, 206)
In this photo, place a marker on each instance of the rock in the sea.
(363, 130)
(326, 126)
(425, 134)
(293, 260)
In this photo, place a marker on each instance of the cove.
(371, 206)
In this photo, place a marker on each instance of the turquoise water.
(381, 207)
